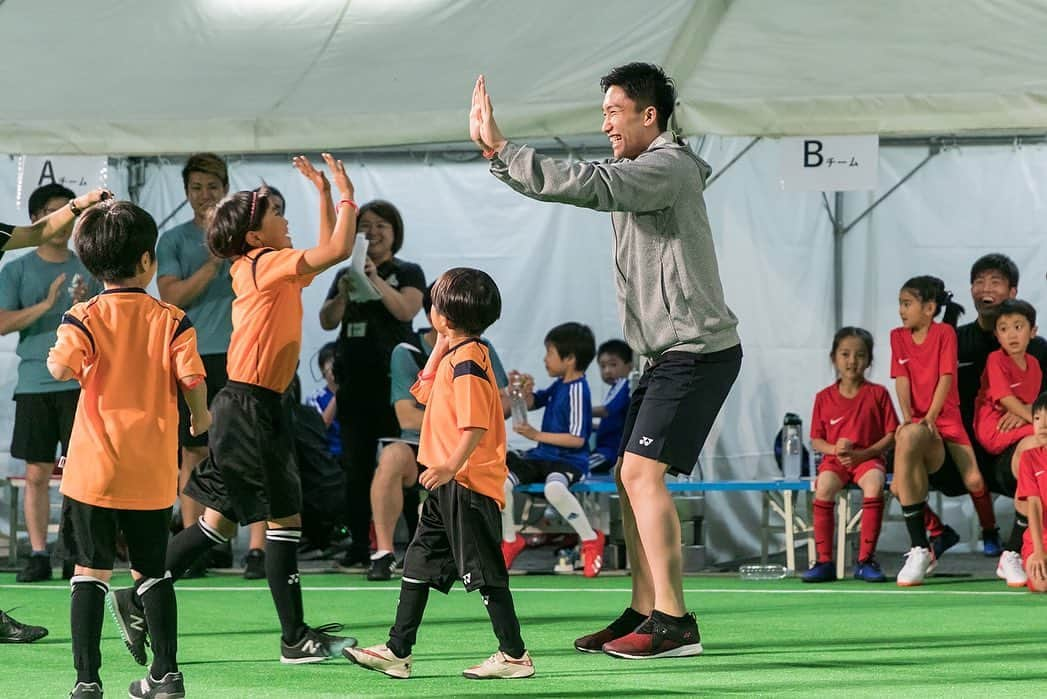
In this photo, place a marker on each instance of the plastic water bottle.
(792, 446)
(762, 572)
(517, 402)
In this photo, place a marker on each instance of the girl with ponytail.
(924, 365)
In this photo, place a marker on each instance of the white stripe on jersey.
(613, 392)
(575, 426)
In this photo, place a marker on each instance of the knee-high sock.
(499, 603)
(567, 505)
(1021, 523)
(409, 612)
(872, 518)
(86, 609)
(161, 613)
(913, 515)
(983, 506)
(281, 570)
(508, 522)
(189, 544)
(823, 530)
(932, 522)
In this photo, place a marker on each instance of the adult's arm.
(182, 292)
(58, 222)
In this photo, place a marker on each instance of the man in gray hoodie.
(671, 305)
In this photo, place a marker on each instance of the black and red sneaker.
(622, 626)
(660, 636)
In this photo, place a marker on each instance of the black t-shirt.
(369, 332)
(5, 235)
(973, 347)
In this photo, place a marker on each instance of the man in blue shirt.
(562, 455)
(35, 290)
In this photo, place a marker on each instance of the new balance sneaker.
(820, 572)
(12, 631)
(254, 565)
(315, 646)
(918, 563)
(944, 541)
(991, 544)
(381, 568)
(502, 667)
(380, 659)
(592, 555)
(130, 620)
(658, 637)
(37, 569)
(85, 690)
(170, 686)
(512, 549)
(869, 570)
(1010, 569)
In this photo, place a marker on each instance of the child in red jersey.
(923, 365)
(1032, 490)
(853, 425)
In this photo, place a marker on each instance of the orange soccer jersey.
(267, 317)
(462, 394)
(128, 350)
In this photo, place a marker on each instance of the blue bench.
(779, 497)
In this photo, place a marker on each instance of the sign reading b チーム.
(829, 163)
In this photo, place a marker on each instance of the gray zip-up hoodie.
(669, 291)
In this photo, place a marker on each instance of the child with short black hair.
(129, 352)
(462, 445)
(250, 474)
(325, 401)
(615, 359)
(562, 455)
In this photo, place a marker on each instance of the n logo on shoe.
(137, 623)
(311, 647)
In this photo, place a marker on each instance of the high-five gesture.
(338, 174)
(318, 178)
(483, 130)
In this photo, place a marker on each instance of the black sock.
(281, 570)
(1021, 523)
(85, 618)
(499, 603)
(669, 618)
(913, 515)
(627, 622)
(161, 614)
(188, 545)
(409, 612)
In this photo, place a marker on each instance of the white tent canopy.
(158, 77)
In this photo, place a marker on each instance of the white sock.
(508, 523)
(379, 553)
(567, 505)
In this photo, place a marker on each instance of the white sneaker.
(380, 659)
(501, 666)
(1010, 569)
(917, 562)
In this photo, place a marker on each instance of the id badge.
(356, 329)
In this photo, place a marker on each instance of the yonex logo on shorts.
(467, 578)
(293, 579)
(645, 441)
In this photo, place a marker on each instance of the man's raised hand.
(483, 130)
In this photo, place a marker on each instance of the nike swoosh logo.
(903, 361)
(963, 364)
(1016, 385)
(1038, 473)
(835, 420)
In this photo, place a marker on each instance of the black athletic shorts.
(675, 404)
(459, 537)
(250, 474)
(215, 366)
(43, 421)
(995, 470)
(91, 535)
(537, 470)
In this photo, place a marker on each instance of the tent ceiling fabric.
(155, 77)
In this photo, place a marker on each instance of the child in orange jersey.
(250, 474)
(129, 352)
(462, 444)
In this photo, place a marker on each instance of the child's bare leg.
(918, 452)
(967, 464)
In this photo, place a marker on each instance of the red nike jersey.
(1002, 378)
(1032, 475)
(864, 419)
(924, 364)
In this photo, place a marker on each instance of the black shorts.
(90, 532)
(459, 537)
(675, 404)
(538, 470)
(995, 470)
(250, 474)
(215, 366)
(43, 421)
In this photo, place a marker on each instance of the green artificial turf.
(945, 639)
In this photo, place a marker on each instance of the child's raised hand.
(318, 178)
(338, 174)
